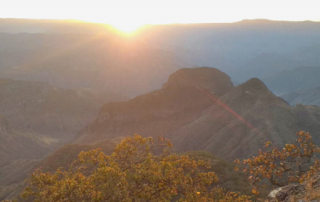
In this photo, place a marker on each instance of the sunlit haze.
(128, 15)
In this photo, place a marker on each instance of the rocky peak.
(206, 78)
(254, 85)
(307, 191)
(252, 93)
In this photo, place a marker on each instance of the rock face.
(308, 191)
(199, 109)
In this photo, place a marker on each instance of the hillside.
(15, 144)
(305, 97)
(297, 79)
(245, 118)
(49, 111)
(14, 174)
(203, 111)
(20, 152)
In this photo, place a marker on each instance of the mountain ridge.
(232, 124)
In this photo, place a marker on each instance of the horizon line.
(173, 23)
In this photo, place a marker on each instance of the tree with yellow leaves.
(140, 169)
(294, 163)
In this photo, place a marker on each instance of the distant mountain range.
(297, 79)
(246, 49)
(71, 54)
(305, 97)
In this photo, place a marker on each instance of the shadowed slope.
(248, 116)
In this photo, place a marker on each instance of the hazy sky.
(132, 13)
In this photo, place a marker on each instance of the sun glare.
(128, 15)
(126, 28)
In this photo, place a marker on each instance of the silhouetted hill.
(231, 123)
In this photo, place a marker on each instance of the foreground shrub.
(296, 162)
(139, 169)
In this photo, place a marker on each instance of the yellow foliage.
(283, 166)
(133, 172)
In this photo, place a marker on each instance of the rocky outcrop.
(209, 79)
(305, 192)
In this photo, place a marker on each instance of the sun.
(126, 27)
